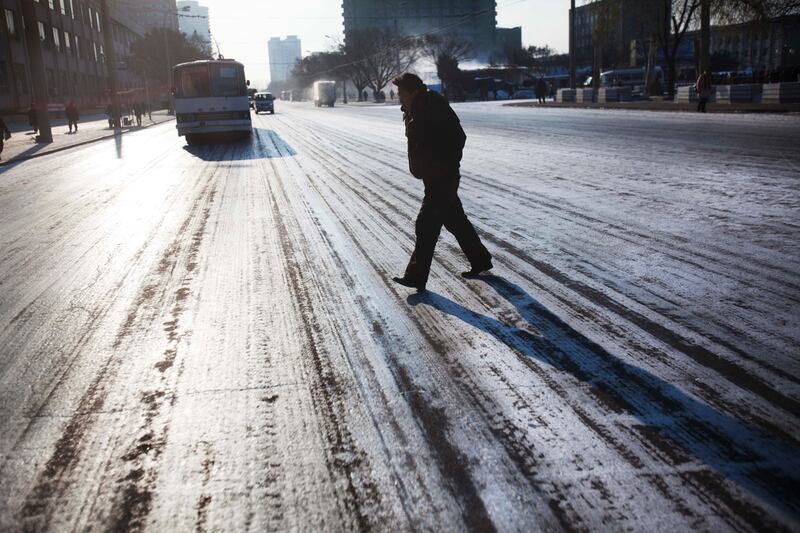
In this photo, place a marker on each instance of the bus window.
(193, 82)
(227, 80)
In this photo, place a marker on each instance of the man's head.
(407, 87)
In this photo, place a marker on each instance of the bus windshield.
(209, 80)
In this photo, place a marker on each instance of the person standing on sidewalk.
(435, 145)
(703, 88)
(33, 118)
(4, 135)
(72, 116)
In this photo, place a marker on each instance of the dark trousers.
(442, 207)
(73, 124)
(701, 105)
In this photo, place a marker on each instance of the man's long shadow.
(678, 425)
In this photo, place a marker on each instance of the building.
(605, 30)
(754, 46)
(72, 38)
(193, 20)
(283, 54)
(148, 14)
(475, 20)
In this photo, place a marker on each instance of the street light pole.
(572, 75)
(111, 61)
(705, 35)
(38, 78)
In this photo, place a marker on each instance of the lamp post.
(38, 79)
(572, 51)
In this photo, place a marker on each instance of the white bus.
(211, 97)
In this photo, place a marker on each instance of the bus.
(211, 97)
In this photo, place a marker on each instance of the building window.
(94, 48)
(10, 26)
(68, 42)
(57, 38)
(77, 46)
(91, 19)
(97, 19)
(42, 32)
(52, 4)
(63, 5)
(71, 10)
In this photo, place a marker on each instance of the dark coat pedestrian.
(5, 134)
(541, 90)
(435, 145)
(33, 118)
(72, 116)
(138, 110)
(703, 89)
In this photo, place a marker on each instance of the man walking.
(435, 144)
(703, 89)
(72, 116)
(5, 134)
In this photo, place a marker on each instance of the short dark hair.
(408, 82)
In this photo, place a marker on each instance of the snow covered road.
(208, 338)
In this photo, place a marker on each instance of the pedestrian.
(541, 90)
(72, 116)
(138, 111)
(110, 113)
(391, 95)
(365, 95)
(4, 135)
(703, 89)
(435, 144)
(33, 118)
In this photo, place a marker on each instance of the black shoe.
(477, 270)
(412, 283)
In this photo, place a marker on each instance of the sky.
(243, 27)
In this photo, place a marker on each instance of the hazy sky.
(243, 27)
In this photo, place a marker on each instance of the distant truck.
(324, 93)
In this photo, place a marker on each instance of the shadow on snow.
(262, 144)
(677, 425)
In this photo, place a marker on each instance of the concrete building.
(193, 20)
(615, 24)
(148, 14)
(475, 20)
(283, 54)
(72, 38)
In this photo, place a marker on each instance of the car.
(264, 102)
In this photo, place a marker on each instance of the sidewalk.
(667, 106)
(91, 128)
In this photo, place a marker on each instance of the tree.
(446, 52)
(380, 55)
(674, 19)
(154, 55)
(606, 16)
(315, 67)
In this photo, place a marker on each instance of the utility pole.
(38, 78)
(572, 76)
(110, 60)
(705, 35)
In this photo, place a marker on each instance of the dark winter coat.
(72, 113)
(435, 138)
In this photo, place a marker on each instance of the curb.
(19, 159)
(663, 109)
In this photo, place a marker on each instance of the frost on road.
(208, 338)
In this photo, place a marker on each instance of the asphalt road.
(208, 338)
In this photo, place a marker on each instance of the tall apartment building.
(193, 20)
(283, 54)
(149, 14)
(475, 20)
(72, 38)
